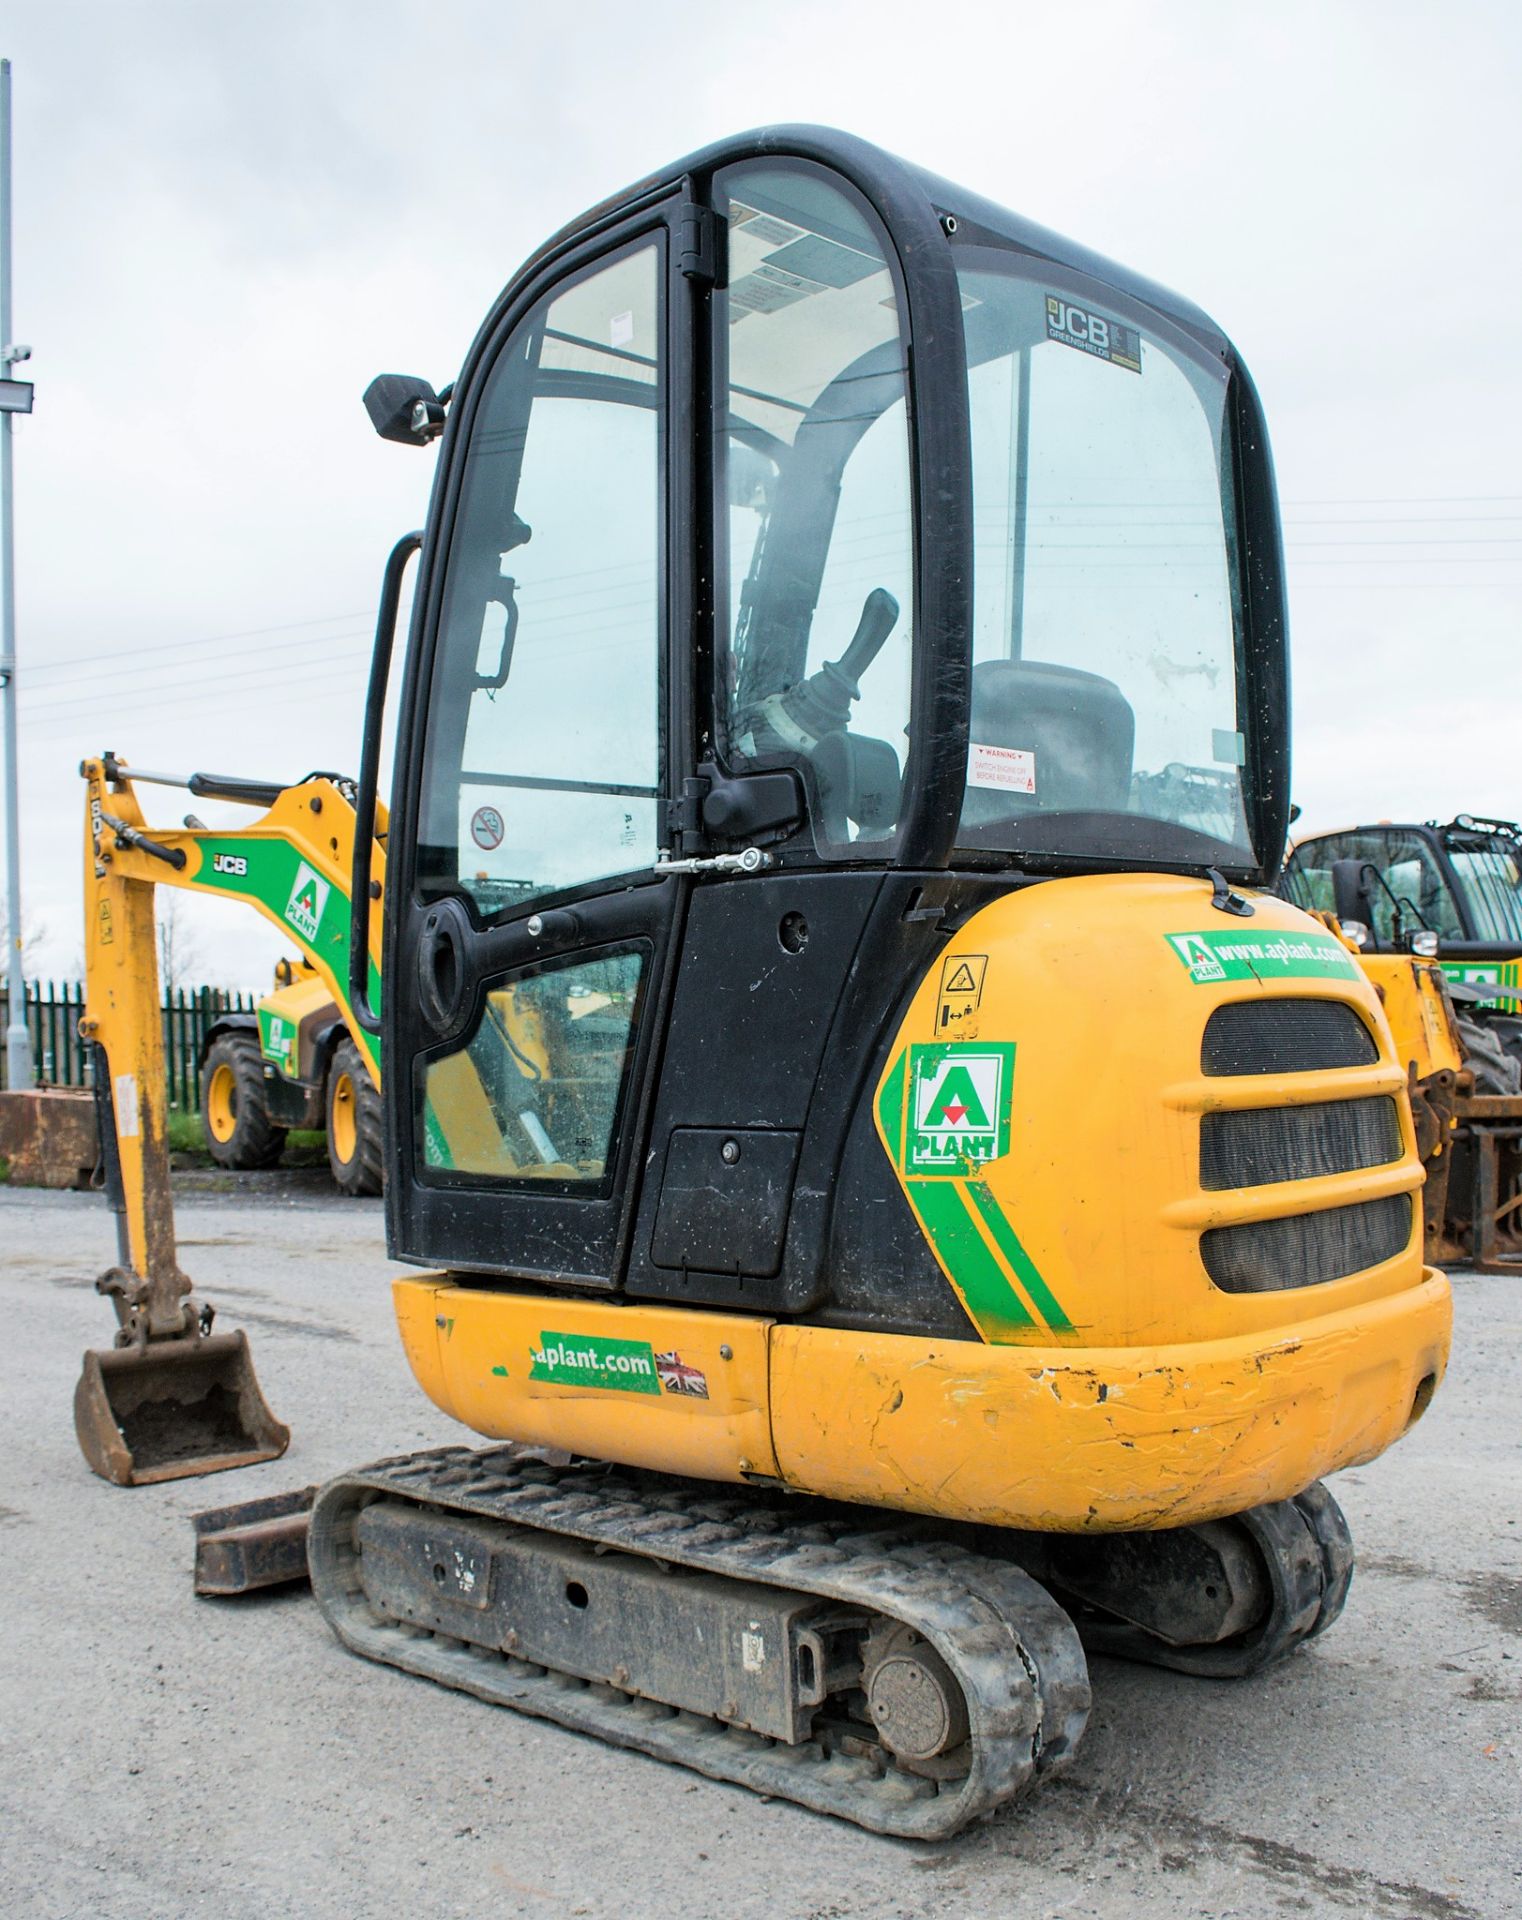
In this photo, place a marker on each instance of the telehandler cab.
(839, 1049)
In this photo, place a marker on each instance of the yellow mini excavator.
(842, 1063)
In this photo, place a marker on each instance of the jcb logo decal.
(232, 863)
(1093, 333)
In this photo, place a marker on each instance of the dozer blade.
(171, 1409)
(255, 1544)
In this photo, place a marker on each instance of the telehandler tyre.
(234, 1114)
(356, 1127)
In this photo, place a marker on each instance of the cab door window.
(815, 508)
(534, 1093)
(544, 765)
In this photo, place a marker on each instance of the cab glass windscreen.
(1104, 717)
(1491, 874)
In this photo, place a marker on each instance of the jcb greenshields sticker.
(958, 1110)
(586, 1360)
(1294, 956)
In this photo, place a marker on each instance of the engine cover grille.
(1285, 1036)
(1306, 1249)
(1262, 1145)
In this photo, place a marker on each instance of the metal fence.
(62, 1059)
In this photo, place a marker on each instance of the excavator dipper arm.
(172, 1399)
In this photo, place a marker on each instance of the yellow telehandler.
(843, 1066)
(292, 1062)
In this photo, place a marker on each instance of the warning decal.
(1012, 768)
(961, 988)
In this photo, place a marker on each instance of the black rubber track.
(1306, 1552)
(1013, 1651)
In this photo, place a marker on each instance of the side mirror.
(1352, 895)
(405, 408)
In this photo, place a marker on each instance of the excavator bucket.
(172, 1409)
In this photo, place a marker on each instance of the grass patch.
(304, 1146)
(186, 1134)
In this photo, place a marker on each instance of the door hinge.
(698, 244)
(684, 817)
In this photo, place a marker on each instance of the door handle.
(443, 970)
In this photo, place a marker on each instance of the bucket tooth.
(172, 1409)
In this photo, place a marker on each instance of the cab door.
(529, 936)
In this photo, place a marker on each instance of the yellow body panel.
(1106, 1381)
(307, 993)
(1108, 1439)
(1099, 1190)
(1414, 997)
(1103, 1440)
(283, 1013)
(473, 1352)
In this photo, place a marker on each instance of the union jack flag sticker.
(677, 1377)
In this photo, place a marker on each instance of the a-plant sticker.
(1212, 957)
(589, 1360)
(309, 895)
(958, 1117)
(277, 1037)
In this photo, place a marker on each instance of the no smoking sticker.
(486, 827)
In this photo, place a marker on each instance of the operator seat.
(1078, 726)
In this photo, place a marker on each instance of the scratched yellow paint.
(1108, 1439)
(1411, 993)
(477, 1366)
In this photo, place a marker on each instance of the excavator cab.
(807, 531)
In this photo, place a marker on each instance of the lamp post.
(15, 397)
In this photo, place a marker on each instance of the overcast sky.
(230, 215)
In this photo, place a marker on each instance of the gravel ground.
(161, 1755)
